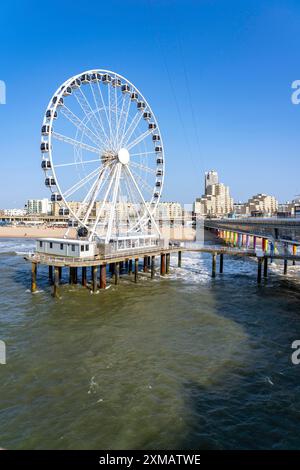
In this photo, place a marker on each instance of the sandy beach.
(21, 231)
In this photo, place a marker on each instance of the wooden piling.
(130, 267)
(265, 267)
(56, 281)
(145, 267)
(214, 265)
(50, 270)
(285, 266)
(136, 269)
(75, 275)
(117, 273)
(162, 264)
(168, 256)
(152, 267)
(179, 259)
(221, 262)
(103, 276)
(94, 278)
(259, 263)
(60, 272)
(33, 276)
(83, 276)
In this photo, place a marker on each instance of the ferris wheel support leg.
(103, 276)
(136, 269)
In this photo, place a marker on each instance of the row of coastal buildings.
(215, 202)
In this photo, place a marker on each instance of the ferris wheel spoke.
(109, 115)
(113, 204)
(113, 173)
(81, 183)
(98, 112)
(142, 198)
(80, 162)
(143, 182)
(126, 118)
(75, 143)
(105, 110)
(86, 108)
(143, 167)
(96, 188)
(81, 125)
(142, 153)
(139, 139)
(137, 216)
(131, 128)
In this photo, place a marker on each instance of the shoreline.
(29, 232)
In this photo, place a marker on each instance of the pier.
(128, 263)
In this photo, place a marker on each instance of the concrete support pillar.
(221, 262)
(145, 267)
(259, 270)
(162, 264)
(130, 267)
(51, 274)
(33, 276)
(214, 264)
(103, 276)
(117, 273)
(265, 266)
(83, 276)
(56, 281)
(179, 258)
(136, 269)
(285, 265)
(168, 256)
(152, 267)
(94, 279)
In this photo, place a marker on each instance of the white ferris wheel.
(103, 157)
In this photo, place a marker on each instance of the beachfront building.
(260, 204)
(14, 212)
(38, 206)
(216, 201)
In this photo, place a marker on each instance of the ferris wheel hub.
(123, 156)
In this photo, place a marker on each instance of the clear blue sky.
(217, 73)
